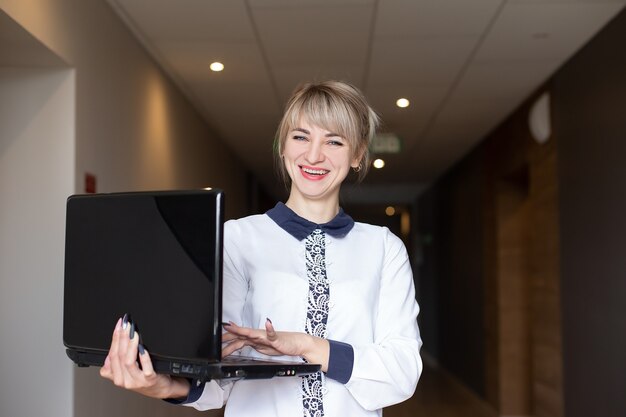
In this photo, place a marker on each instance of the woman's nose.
(314, 153)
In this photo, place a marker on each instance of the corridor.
(440, 395)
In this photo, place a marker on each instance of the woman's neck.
(316, 211)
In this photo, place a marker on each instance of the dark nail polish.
(125, 321)
(132, 331)
(269, 320)
(141, 349)
(225, 324)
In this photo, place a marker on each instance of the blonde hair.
(332, 105)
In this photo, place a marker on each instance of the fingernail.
(125, 321)
(132, 331)
(225, 324)
(141, 349)
(269, 320)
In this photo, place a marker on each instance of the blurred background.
(504, 153)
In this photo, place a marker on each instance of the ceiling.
(463, 64)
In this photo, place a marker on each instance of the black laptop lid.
(154, 255)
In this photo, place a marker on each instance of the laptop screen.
(154, 255)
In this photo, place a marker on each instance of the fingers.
(235, 338)
(129, 365)
(232, 328)
(130, 358)
(269, 330)
(146, 363)
(245, 332)
(262, 340)
(116, 369)
(233, 346)
(125, 355)
(234, 332)
(266, 341)
(120, 365)
(228, 336)
(105, 371)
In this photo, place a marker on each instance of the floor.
(439, 395)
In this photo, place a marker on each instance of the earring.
(357, 169)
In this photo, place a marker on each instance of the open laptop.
(158, 257)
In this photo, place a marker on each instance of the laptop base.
(232, 367)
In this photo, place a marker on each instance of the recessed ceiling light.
(216, 66)
(379, 163)
(390, 211)
(402, 103)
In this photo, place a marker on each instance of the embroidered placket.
(316, 317)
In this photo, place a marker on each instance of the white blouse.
(372, 307)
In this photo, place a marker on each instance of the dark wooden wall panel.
(590, 115)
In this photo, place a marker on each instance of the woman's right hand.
(121, 367)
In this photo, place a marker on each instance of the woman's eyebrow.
(328, 135)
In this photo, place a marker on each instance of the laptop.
(158, 257)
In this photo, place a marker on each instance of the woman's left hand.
(271, 342)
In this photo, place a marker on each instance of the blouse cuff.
(340, 361)
(195, 391)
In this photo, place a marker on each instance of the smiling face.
(325, 130)
(335, 105)
(317, 161)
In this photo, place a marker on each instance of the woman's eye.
(301, 138)
(335, 143)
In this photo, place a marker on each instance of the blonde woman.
(305, 282)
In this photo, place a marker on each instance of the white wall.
(134, 131)
(36, 175)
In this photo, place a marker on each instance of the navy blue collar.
(300, 228)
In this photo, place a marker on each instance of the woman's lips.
(312, 173)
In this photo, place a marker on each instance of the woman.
(341, 293)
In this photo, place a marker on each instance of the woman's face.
(317, 161)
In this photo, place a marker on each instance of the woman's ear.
(358, 159)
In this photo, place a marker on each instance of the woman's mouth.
(313, 173)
